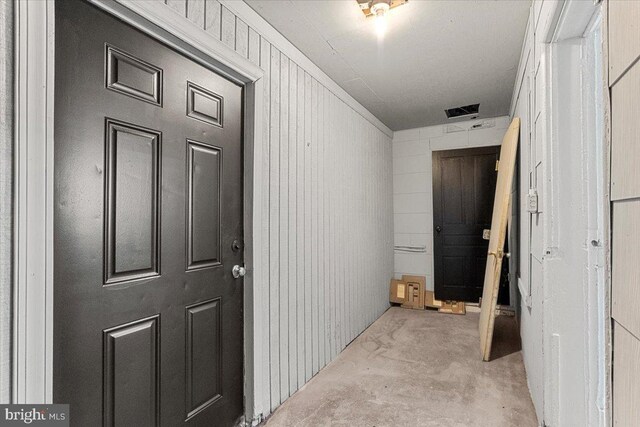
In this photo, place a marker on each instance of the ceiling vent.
(467, 112)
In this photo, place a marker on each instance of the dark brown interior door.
(464, 185)
(148, 323)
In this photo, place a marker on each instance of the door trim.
(32, 370)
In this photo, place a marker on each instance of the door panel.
(203, 244)
(132, 200)
(148, 199)
(464, 184)
(131, 372)
(132, 76)
(204, 370)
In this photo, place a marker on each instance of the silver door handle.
(238, 271)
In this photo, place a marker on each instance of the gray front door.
(148, 322)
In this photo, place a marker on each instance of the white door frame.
(576, 116)
(34, 178)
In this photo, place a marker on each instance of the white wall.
(321, 275)
(412, 184)
(558, 96)
(6, 195)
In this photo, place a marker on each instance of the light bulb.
(381, 23)
(379, 8)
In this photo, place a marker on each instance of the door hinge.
(497, 164)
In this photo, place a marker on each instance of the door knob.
(438, 228)
(238, 271)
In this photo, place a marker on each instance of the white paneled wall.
(6, 195)
(412, 185)
(322, 272)
(559, 98)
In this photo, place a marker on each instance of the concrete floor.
(417, 368)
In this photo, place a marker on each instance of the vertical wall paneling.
(326, 244)
(242, 38)
(228, 27)
(342, 149)
(345, 247)
(300, 226)
(355, 215)
(339, 215)
(254, 46)
(196, 12)
(292, 226)
(283, 242)
(274, 227)
(6, 196)
(350, 201)
(325, 236)
(314, 225)
(344, 230)
(265, 63)
(333, 302)
(213, 15)
(307, 229)
(364, 201)
(320, 209)
(325, 257)
(352, 280)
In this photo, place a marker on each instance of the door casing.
(32, 370)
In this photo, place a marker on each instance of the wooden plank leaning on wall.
(499, 222)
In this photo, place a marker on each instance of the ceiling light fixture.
(379, 10)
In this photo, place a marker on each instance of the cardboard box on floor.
(430, 301)
(397, 291)
(411, 293)
(415, 291)
(453, 307)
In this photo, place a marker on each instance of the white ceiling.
(435, 55)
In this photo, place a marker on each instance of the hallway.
(417, 368)
(214, 204)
